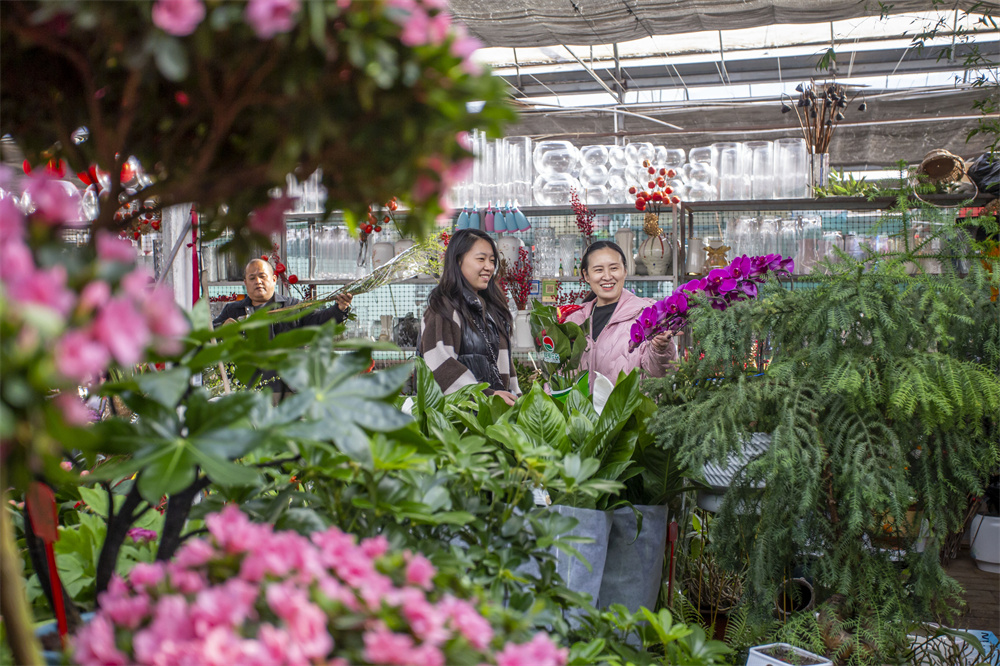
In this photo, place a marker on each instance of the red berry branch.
(572, 296)
(516, 279)
(584, 216)
(658, 192)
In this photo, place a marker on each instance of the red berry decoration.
(640, 204)
(671, 173)
(651, 185)
(155, 224)
(652, 170)
(631, 190)
(136, 235)
(386, 220)
(663, 171)
(378, 229)
(675, 200)
(668, 190)
(660, 182)
(657, 197)
(293, 279)
(393, 205)
(182, 98)
(264, 257)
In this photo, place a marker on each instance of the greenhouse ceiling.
(689, 73)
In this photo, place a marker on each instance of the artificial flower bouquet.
(721, 287)
(251, 595)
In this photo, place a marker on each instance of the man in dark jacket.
(260, 282)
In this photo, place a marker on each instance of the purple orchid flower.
(787, 265)
(741, 267)
(719, 304)
(648, 319)
(749, 288)
(676, 303)
(698, 284)
(719, 281)
(636, 334)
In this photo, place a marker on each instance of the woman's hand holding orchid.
(722, 286)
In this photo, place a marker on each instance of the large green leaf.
(622, 403)
(542, 421)
(343, 401)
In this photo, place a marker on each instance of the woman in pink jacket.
(611, 310)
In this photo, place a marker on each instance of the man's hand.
(661, 342)
(507, 396)
(344, 301)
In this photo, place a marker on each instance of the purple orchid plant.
(736, 282)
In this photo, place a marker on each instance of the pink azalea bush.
(72, 317)
(251, 595)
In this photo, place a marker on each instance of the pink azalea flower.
(95, 644)
(375, 546)
(194, 553)
(16, 262)
(122, 330)
(270, 17)
(426, 622)
(73, 410)
(124, 609)
(47, 287)
(420, 572)
(233, 531)
(220, 648)
(94, 295)
(382, 646)
(55, 202)
(79, 358)
(185, 580)
(11, 221)
(171, 627)
(146, 576)
(270, 218)
(473, 626)
(540, 651)
(178, 17)
(138, 284)
(226, 605)
(114, 248)
(138, 534)
(425, 187)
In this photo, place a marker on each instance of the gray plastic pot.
(597, 526)
(634, 566)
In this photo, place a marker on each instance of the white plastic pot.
(761, 656)
(984, 542)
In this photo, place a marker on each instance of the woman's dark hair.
(585, 259)
(448, 293)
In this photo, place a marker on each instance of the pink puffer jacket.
(610, 355)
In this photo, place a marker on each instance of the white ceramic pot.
(764, 655)
(522, 330)
(656, 255)
(695, 256)
(625, 238)
(509, 246)
(984, 542)
(381, 254)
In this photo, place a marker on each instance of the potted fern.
(881, 391)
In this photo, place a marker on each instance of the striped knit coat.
(455, 364)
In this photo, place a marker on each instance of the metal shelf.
(828, 203)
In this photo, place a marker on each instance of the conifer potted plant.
(881, 392)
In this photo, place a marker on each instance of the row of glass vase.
(545, 173)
